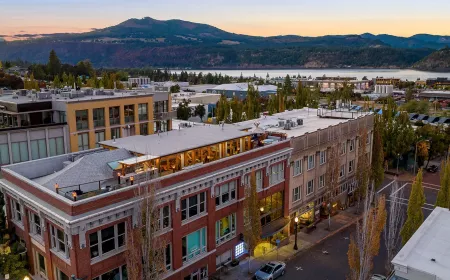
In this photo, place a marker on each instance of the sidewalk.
(339, 222)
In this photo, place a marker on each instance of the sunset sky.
(263, 17)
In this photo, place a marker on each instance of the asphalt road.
(314, 264)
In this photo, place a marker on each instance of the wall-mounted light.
(261, 209)
(56, 187)
(118, 177)
(131, 180)
(74, 195)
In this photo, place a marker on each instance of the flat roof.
(19, 99)
(244, 87)
(430, 241)
(311, 121)
(175, 141)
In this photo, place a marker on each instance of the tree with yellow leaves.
(365, 245)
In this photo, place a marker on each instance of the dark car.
(433, 168)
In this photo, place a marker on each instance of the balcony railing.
(129, 119)
(165, 116)
(98, 123)
(82, 125)
(113, 121)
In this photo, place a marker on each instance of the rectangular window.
(164, 218)
(4, 154)
(168, 257)
(225, 193)
(311, 162)
(56, 146)
(82, 119)
(193, 206)
(99, 117)
(119, 273)
(142, 111)
(343, 148)
(298, 167)
(193, 244)
(310, 189)
(61, 275)
(342, 171)
(41, 265)
(114, 115)
(99, 137)
(35, 224)
(83, 141)
(160, 126)
(259, 180)
(62, 116)
(19, 151)
(352, 145)
(59, 241)
(129, 113)
(115, 133)
(107, 240)
(296, 195)
(276, 173)
(225, 228)
(16, 211)
(239, 249)
(323, 157)
(272, 208)
(368, 138)
(143, 127)
(38, 149)
(351, 166)
(321, 181)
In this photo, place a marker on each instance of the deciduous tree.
(184, 111)
(443, 197)
(365, 244)
(145, 253)
(414, 213)
(396, 217)
(252, 219)
(200, 111)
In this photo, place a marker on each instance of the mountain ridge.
(178, 43)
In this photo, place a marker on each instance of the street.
(328, 259)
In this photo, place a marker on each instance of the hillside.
(178, 43)
(437, 61)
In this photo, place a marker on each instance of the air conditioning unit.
(281, 123)
(287, 125)
(299, 121)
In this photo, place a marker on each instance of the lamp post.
(398, 159)
(295, 230)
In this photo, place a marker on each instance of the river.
(404, 74)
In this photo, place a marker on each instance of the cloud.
(26, 35)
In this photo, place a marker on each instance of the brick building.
(72, 210)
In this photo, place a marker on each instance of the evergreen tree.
(377, 153)
(287, 87)
(54, 64)
(300, 100)
(184, 111)
(414, 213)
(65, 79)
(200, 111)
(1, 65)
(443, 197)
(252, 103)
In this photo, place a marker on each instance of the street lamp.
(295, 230)
(261, 209)
(398, 159)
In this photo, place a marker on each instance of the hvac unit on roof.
(287, 125)
(281, 123)
(299, 121)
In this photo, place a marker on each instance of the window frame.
(114, 115)
(98, 118)
(310, 189)
(298, 167)
(100, 241)
(321, 181)
(121, 268)
(23, 151)
(162, 217)
(296, 194)
(352, 145)
(83, 146)
(276, 175)
(202, 247)
(323, 157)
(35, 227)
(16, 214)
(259, 179)
(219, 195)
(98, 138)
(343, 149)
(231, 234)
(342, 170)
(351, 164)
(141, 107)
(311, 164)
(82, 120)
(56, 242)
(199, 203)
(40, 150)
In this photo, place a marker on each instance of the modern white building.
(139, 81)
(384, 90)
(426, 255)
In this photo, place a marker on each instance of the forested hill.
(177, 43)
(437, 61)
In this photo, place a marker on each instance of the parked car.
(378, 277)
(270, 271)
(433, 168)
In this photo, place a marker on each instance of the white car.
(270, 271)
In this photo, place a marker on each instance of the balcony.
(163, 116)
